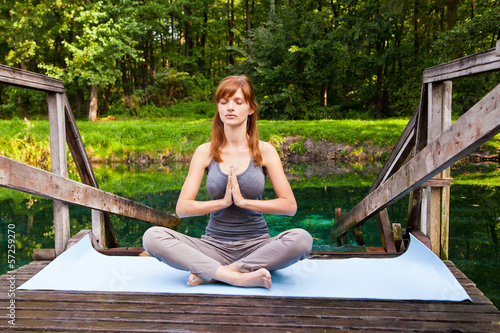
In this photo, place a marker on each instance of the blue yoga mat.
(418, 274)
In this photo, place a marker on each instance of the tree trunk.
(249, 27)
(231, 32)
(452, 13)
(79, 102)
(93, 103)
(416, 27)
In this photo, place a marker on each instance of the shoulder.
(204, 148)
(269, 153)
(202, 154)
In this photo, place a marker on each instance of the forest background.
(310, 59)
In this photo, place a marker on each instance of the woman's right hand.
(228, 196)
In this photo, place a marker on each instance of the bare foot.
(258, 278)
(232, 276)
(195, 280)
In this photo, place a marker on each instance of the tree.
(105, 35)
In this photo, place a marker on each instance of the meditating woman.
(236, 247)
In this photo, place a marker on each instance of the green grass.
(117, 140)
(175, 140)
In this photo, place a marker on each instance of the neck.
(236, 136)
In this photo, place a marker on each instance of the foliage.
(311, 59)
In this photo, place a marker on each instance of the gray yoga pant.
(202, 256)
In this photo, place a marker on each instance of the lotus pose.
(236, 247)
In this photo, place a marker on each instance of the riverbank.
(162, 141)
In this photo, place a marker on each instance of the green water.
(474, 218)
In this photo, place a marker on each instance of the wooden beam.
(25, 79)
(478, 125)
(414, 210)
(22, 177)
(400, 152)
(439, 113)
(387, 236)
(59, 166)
(437, 182)
(475, 64)
(101, 222)
(77, 148)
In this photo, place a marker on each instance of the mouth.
(230, 116)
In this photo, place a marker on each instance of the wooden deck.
(58, 311)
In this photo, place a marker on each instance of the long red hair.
(227, 88)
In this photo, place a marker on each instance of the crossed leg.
(231, 274)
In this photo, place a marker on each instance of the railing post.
(59, 166)
(436, 200)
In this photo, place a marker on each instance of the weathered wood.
(341, 239)
(101, 223)
(438, 182)
(44, 254)
(22, 78)
(397, 233)
(152, 312)
(413, 211)
(435, 219)
(82, 233)
(77, 148)
(21, 177)
(384, 226)
(399, 153)
(358, 235)
(59, 167)
(475, 64)
(445, 217)
(478, 125)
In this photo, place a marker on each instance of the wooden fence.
(56, 185)
(436, 145)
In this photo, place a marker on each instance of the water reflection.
(474, 216)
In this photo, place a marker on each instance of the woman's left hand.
(235, 188)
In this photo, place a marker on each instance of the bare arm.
(186, 203)
(285, 203)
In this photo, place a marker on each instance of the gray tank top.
(234, 223)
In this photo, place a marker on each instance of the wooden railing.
(56, 185)
(436, 145)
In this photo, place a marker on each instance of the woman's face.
(234, 110)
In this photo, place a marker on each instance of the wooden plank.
(147, 312)
(59, 165)
(478, 125)
(21, 177)
(439, 110)
(384, 227)
(475, 64)
(77, 148)
(250, 308)
(82, 233)
(399, 153)
(22, 78)
(438, 182)
(101, 222)
(414, 210)
(44, 254)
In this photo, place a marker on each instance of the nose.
(230, 106)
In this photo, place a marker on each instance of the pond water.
(474, 215)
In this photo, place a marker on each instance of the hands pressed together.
(233, 193)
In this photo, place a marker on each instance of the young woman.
(236, 248)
